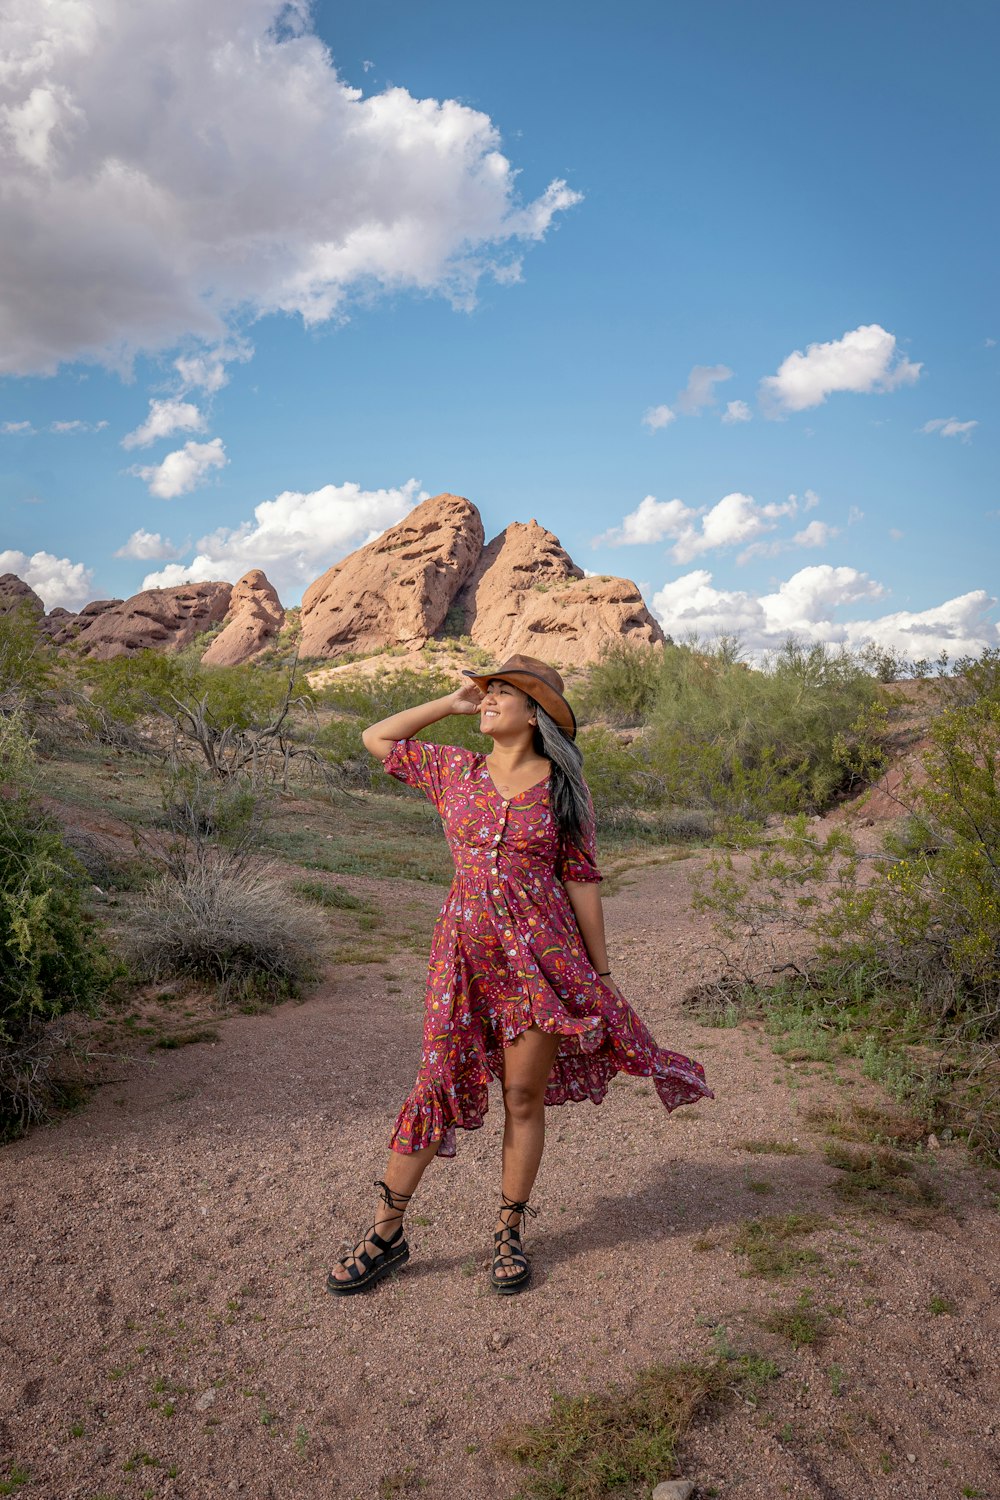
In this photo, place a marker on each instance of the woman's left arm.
(585, 899)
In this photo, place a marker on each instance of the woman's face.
(506, 711)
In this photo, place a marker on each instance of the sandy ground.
(165, 1330)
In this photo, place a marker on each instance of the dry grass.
(877, 1178)
(771, 1243)
(235, 927)
(597, 1444)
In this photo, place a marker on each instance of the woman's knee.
(523, 1100)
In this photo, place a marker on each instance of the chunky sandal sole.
(340, 1288)
(506, 1286)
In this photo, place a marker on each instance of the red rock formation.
(527, 595)
(398, 589)
(157, 619)
(16, 594)
(254, 619)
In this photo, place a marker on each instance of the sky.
(707, 289)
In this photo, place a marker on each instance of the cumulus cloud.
(700, 388)
(183, 470)
(295, 537)
(864, 360)
(166, 170)
(207, 371)
(736, 411)
(148, 546)
(58, 582)
(165, 417)
(950, 427)
(806, 605)
(735, 520)
(815, 534)
(651, 521)
(17, 429)
(656, 417)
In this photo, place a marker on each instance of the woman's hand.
(466, 699)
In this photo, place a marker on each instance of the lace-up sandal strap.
(520, 1208)
(389, 1197)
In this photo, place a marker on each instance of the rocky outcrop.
(398, 589)
(527, 595)
(16, 594)
(254, 618)
(156, 619)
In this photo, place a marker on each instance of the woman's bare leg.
(527, 1063)
(402, 1174)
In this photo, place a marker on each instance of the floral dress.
(507, 954)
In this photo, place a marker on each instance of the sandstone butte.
(521, 593)
(429, 575)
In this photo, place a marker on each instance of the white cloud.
(295, 537)
(854, 515)
(989, 343)
(735, 519)
(168, 170)
(656, 417)
(700, 388)
(183, 470)
(810, 500)
(165, 418)
(75, 426)
(815, 534)
(57, 581)
(148, 546)
(864, 360)
(736, 411)
(950, 427)
(207, 371)
(18, 429)
(895, 534)
(651, 521)
(805, 605)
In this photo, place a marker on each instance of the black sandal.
(392, 1252)
(508, 1239)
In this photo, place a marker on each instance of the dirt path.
(165, 1329)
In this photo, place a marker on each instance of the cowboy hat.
(539, 681)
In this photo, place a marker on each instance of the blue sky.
(496, 268)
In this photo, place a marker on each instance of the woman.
(520, 987)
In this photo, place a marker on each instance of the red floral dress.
(507, 954)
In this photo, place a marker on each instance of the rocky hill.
(430, 576)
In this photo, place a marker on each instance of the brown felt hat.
(539, 681)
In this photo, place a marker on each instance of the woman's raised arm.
(379, 738)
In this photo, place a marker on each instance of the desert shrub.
(911, 941)
(357, 702)
(50, 959)
(228, 924)
(783, 738)
(27, 661)
(622, 686)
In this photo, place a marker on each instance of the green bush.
(27, 661)
(50, 959)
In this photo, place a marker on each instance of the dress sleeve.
(432, 769)
(578, 860)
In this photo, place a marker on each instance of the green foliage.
(739, 741)
(50, 962)
(598, 1444)
(27, 661)
(355, 702)
(133, 687)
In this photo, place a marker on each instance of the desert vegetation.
(247, 800)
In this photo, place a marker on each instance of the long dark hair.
(568, 795)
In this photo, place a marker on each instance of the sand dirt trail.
(165, 1329)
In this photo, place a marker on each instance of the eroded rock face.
(254, 619)
(528, 596)
(398, 589)
(16, 594)
(156, 619)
